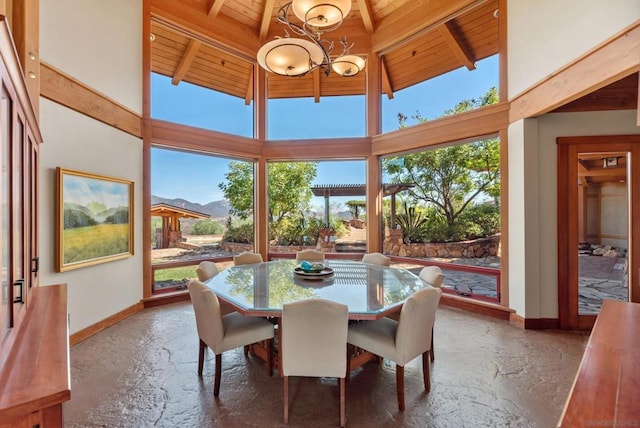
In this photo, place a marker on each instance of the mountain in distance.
(220, 209)
(216, 209)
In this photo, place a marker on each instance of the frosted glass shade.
(289, 56)
(348, 65)
(321, 13)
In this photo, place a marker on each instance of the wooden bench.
(606, 389)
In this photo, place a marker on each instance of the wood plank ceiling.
(213, 44)
(187, 55)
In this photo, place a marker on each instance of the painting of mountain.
(94, 224)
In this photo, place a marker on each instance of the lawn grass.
(92, 242)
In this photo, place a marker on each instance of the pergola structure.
(329, 190)
(171, 215)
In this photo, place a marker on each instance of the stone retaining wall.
(235, 247)
(484, 247)
(393, 245)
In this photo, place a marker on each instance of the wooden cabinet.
(19, 146)
(34, 336)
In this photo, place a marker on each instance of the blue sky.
(196, 177)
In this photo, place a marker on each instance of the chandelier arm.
(314, 34)
(283, 17)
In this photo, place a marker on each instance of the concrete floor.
(142, 372)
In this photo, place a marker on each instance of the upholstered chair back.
(432, 275)
(376, 259)
(206, 270)
(415, 326)
(310, 256)
(247, 258)
(208, 315)
(314, 338)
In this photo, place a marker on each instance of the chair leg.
(342, 401)
(286, 399)
(201, 351)
(269, 357)
(426, 376)
(349, 354)
(216, 384)
(432, 354)
(246, 350)
(400, 386)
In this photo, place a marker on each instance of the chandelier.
(294, 56)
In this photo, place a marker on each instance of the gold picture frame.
(94, 219)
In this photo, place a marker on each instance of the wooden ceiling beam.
(249, 95)
(423, 15)
(185, 62)
(214, 8)
(266, 19)
(386, 82)
(367, 20)
(616, 171)
(227, 34)
(448, 33)
(638, 97)
(316, 85)
(582, 166)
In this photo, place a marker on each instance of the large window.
(201, 208)
(197, 106)
(302, 118)
(448, 211)
(317, 204)
(439, 96)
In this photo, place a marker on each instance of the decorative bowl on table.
(309, 267)
(312, 271)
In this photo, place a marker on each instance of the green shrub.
(207, 227)
(477, 221)
(241, 232)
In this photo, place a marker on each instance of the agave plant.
(411, 222)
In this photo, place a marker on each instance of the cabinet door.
(19, 278)
(5, 213)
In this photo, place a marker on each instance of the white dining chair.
(222, 333)
(206, 270)
(310, 256)
(314, 344)
(403, 340)
(433, 276)
(376, 259)
(247, 258)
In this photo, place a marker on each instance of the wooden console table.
(35, 382)
(606, 389)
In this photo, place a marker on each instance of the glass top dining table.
(369, 291)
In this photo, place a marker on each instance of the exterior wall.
(533, 235)
(614, 212)
(607, 215)
(545, 35)
(98, 43)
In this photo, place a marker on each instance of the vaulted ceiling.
(212, 43)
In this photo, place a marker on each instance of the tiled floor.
(142, 372)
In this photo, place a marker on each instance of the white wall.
(533, 270)
(77, 142)
(545, 35)
(97, 42)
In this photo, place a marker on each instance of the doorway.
(597, 244)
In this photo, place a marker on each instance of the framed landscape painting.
(94, 219)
